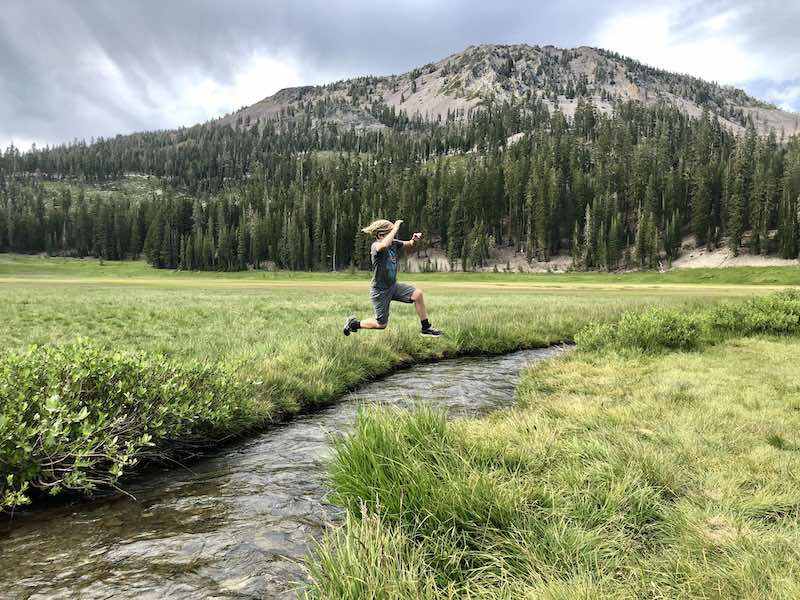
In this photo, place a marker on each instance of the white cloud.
(190, 97)
(786, 97)
(196, 97)
(711, 51)
(711, 41)
(22, 144)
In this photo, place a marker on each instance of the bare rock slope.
(481, 74)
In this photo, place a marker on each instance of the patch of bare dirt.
(501, 259)
(698, 258)
(718, 531)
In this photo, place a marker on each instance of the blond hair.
(378, 227)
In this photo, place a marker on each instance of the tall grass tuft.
(366, 559)
(480, 523)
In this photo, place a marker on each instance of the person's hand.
(398, 223)
(416, 236)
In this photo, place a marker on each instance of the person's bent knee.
(417, 295)
(382, 325)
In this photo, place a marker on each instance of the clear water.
(233, 525)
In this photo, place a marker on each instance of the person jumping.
(385, 286)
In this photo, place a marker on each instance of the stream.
(236, 524)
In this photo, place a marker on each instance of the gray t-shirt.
(384, 265)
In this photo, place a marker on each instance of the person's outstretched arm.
(412, 242)
(387, 240)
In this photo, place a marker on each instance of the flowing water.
(239, 523)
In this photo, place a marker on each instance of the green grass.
(277, 333)
(620, 475)
(132, 186)
(658, 329)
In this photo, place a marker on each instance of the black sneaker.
(349, 325)
(430, 332)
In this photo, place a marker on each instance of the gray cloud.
(770, 26)
(81, 68)
(766, 27)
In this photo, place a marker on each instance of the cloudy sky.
(82, 68)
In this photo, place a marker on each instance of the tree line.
(613, 190)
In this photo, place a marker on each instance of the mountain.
(493, 73)
(469, 150)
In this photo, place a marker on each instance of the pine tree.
(588, 239)
(646, 241)
(788, 228)
(153, 242)
(614, 243)
(576, 249)
(167, 254)
(135, 243)
(241, 245)
(734, 223)
(455, 232)
(184, 258)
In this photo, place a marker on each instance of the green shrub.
(78, 416)
(653, 330)
(659, 329)
(776, 314)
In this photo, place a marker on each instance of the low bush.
(776, 314)
(77, 417)
(661, 329)
(653, 330)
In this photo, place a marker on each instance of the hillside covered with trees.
(615, 189)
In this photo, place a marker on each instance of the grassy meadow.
(652, 462)
(105, 365)
(92, 351)
(272, 324)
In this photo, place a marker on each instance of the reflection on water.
(237, 524)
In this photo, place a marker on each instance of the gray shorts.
(401, 292)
